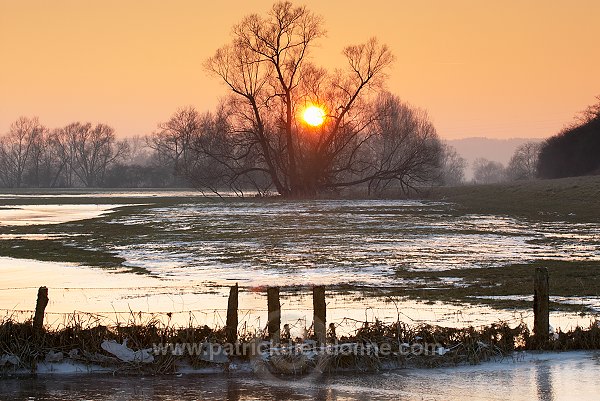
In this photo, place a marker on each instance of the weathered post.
(231, 324)
(541, 306)
(40, 307)
(274, 313)
(319, 315)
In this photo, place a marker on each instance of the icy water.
(331, 242)
(193, 248)
(545, 376)
(313, 242)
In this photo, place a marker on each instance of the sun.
(314, 115)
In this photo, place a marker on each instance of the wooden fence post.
(231, 324)
(40, 307)
(320, 314)
(541, 306)
(274, 310)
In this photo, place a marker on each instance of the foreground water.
(545, 376)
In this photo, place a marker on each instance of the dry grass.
(461, 345)
(81, 337)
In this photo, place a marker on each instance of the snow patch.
(126, 354)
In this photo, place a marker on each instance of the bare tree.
(266, 68)
(199, 148)
(523, 163)
(488, 172)
(453, 165)
(17, 150)
(44, 162)
(78, 154)
(140, 153)
(86, 152)
(95, 150)
(173, 139)
(64, 141)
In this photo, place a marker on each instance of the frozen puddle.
(24, 215)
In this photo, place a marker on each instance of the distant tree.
(140, 153)
(200, 148)
(488, 172)
(86, 152)
(574, 151)
(173, 140)
(452, 166)
(64, 142)
(44, 163)
(181, 143)
(17, 150)
(96, 149)
(523, 163)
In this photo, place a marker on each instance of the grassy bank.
(570, 199)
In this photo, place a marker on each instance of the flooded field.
(171, 252)
(358, 242)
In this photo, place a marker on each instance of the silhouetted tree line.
(576, 150)
(77, 155)
(573, 152)
(192, 150)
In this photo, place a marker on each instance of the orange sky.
(497, 69)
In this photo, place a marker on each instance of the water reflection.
(546, 376)
(24, 215)
(543, 378)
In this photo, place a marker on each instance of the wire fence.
(346, 314)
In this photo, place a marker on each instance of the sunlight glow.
(314, 115)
